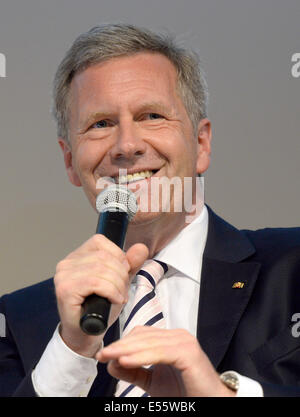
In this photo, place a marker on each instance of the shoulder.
(41, 291)
(277, 249)
(224, 241)
(30, 302)
(275, 238)
(31, 317)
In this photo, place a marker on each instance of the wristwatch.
(230, 379)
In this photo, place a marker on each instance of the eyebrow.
(153, 106)
(93, 117)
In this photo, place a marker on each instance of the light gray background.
(246, 48)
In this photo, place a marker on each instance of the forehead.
(147, 72)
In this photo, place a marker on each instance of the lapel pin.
(238, 284)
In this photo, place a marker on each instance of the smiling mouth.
(137, 176)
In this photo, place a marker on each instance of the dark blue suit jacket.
(243, 329)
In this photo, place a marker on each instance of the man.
(128, 99)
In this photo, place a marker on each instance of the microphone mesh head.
(117, 198)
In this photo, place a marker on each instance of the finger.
(108, 287)
(100, 242)
(137, 376)
(80, 286)
(96, 261)
(110, 269)
(142, 351)
(158, 381)
(149, 356)
(115, 351)
(136, 256)
(147, 345)
(141, 337)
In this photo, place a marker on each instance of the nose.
(129, 144)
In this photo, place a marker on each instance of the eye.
(100, 124)
(154, 116)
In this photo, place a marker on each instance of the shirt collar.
(184, 252)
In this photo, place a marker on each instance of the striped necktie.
(146, 311)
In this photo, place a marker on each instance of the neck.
(157, 229)
(156, 233)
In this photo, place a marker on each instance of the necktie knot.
(151, 273)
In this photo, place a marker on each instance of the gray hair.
(108, 41)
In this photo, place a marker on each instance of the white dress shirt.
(62, 372)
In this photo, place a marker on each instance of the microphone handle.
(96, 309)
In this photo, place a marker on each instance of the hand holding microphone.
(99, 267)
(117, 206)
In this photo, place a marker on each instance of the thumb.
(136, 256)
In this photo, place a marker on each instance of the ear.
(204, 145)
(67, 152)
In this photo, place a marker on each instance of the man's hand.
(97, 267)
(180, 367)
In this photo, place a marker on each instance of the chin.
(162, 217)
(142, 218)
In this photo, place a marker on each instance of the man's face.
(126, 113)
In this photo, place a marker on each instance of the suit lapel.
(221, 306)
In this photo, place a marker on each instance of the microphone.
(116, 206)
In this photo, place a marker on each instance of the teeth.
(134, 177)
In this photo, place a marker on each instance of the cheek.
(183, 151)
(170, 142)
(87, 158)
